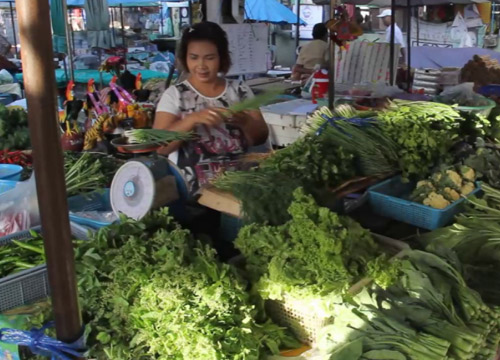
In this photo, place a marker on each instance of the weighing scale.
(145, 183)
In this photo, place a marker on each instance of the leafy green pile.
(148, 290)
(429, 313)
(486, 163)
(313, 161)
(14, 133)
(265, 193)
(350, 130)
(86, 172)
(424, 132)
(316, 253)
(474, 238)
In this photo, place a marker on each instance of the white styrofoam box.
(299, 121)
(278, 119)
(291, 113)
(283, 135)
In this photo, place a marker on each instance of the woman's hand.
(210, 117)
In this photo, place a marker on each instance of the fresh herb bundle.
(423, 131)
(156, 136)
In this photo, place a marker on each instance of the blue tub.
(10, 172)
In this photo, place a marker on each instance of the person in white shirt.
(386, 16)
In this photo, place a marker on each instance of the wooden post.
(39, 81)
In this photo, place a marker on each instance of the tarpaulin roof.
(79, 3)
(404, 3)
(270, 11)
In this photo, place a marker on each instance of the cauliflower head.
(468, 173)
(455, 178)
(450, 194)
(425, 183)
(467, 188)
(436, 201)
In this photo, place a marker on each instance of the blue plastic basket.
(488, 90)
(390, 199)
(95, 201)
(6, 185)
(28, 286)
(10, 172)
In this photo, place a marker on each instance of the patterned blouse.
(216, 148)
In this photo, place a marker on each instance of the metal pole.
(13, 27)
(297, 29)
(68, 39)
(123, 26)
(408, 46)
(391, 59)
(417, 18)
(40, 84)
(162, 30)
(331, 70)
(112, 11)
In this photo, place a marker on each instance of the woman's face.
(203, 60)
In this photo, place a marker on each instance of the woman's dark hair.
(319, 31)
(206, 31)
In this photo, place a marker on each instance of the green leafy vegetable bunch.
(428, 313)
(424, 132)
(14, 133)
(150, 291)
(316, 253)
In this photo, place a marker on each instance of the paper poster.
(457, 34)
(430, 34)
(312, 15)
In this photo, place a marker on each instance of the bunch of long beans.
(21, 255)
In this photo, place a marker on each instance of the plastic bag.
(19, 208)
(463, 95)
(5, 77)
(102, 216)
(459, 94)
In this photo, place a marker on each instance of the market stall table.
(265, 84)
(83, 76)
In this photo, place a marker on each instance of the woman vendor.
(199, 104)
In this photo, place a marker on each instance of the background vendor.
(386, 17)
(199, 104)
(312, 54)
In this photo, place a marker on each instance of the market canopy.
(404, 3)
(270, 11)
(80, 3)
